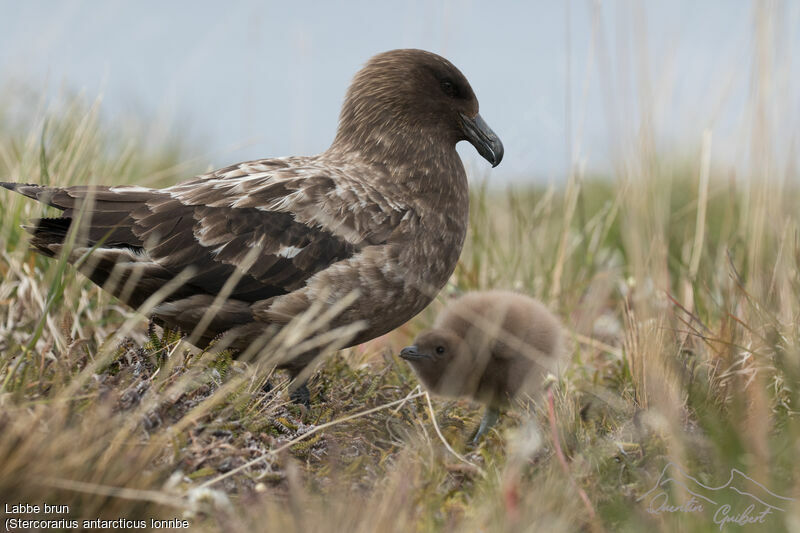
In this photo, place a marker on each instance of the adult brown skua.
(491, 346)
(382, 212)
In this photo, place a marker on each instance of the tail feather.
(107, 213)
(48, 232)
(49, 228)
(40, 193)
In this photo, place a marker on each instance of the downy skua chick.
(491, 346)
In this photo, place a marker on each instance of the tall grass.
(678, 283)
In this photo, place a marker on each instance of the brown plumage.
(382, 211)
(490, 346)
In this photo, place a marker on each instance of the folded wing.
(271, 223)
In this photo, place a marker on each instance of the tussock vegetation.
(679, 285)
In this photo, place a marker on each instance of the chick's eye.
(449, 88)
(440, 349)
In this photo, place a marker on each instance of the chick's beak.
(481, 136)
(410, 353)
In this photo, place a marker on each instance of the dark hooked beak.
(410, 353)
(481, 136)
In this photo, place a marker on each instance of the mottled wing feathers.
(316, 193)
(217, 240)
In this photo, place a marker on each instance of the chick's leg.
(489, 419)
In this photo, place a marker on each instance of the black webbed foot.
(300, 395)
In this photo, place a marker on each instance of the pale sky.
(248, 79)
